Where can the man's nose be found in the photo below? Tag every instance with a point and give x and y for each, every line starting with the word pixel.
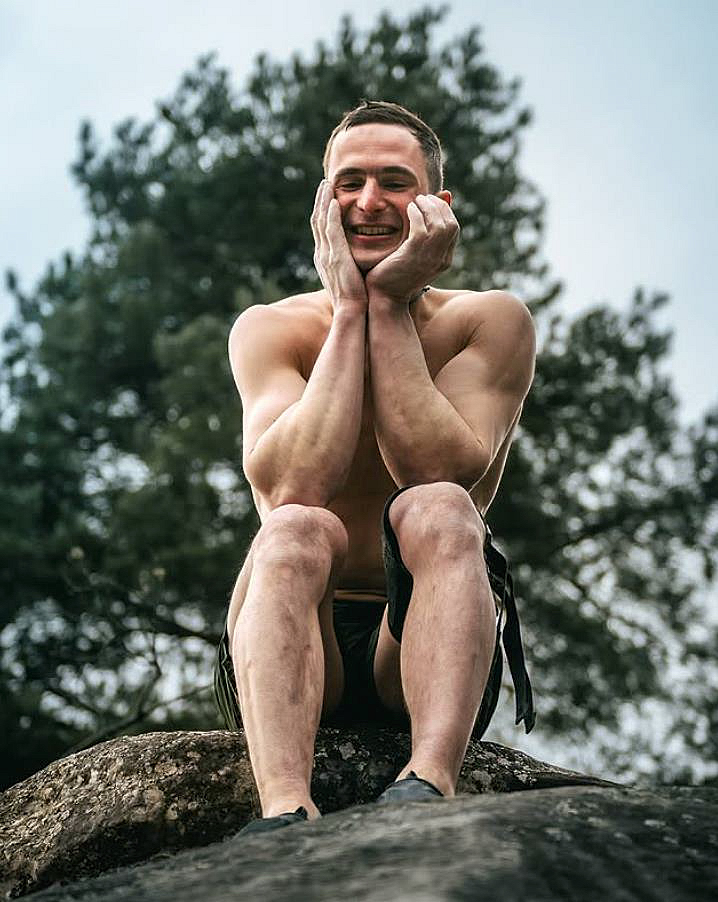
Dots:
pixel 371 197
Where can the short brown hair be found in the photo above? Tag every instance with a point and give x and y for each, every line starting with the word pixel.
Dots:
pixel 370 111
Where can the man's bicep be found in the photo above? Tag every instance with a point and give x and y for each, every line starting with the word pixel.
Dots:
pixel 487 382
pixel 265 372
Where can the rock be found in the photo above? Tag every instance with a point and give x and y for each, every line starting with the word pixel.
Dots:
pixel 585 843
pixel 128 799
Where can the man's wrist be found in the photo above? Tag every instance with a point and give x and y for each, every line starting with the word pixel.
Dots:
pixel 382 303
pixel 349 313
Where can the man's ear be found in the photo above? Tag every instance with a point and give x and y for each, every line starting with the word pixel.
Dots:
pixel 445 195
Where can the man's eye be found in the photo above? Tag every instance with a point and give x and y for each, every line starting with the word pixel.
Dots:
pixel 349 186
pixel 395 186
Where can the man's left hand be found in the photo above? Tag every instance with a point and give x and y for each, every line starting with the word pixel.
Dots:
pixel 427 251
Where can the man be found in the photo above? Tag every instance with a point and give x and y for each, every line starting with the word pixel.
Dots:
pixel 377 381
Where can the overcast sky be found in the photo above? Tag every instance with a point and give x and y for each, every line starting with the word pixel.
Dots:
pixel 624 142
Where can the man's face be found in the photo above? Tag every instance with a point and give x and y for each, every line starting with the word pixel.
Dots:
pixel 376 170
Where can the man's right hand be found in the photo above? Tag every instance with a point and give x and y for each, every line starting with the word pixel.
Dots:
pixel 332 257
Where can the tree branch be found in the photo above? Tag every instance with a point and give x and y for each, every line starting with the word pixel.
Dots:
pixel 140 713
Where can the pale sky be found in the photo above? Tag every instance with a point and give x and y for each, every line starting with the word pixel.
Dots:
pixel 623 146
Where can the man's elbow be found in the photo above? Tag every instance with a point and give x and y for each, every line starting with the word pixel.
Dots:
pixel 306 492
pixel 289 484
pixel 465 470
pixel 476 467
pixel 279 490
pixel 305 496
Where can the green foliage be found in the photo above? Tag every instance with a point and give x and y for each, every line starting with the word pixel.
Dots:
pixel 125 511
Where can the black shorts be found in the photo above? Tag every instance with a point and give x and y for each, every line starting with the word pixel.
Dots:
pixel 356 624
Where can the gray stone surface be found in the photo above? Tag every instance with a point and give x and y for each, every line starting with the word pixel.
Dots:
pixel 128 799
pixel 574 843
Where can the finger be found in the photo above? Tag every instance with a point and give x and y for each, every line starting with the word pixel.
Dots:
pixel 417 223
pixel 442 208
pixel 450 220
pixel 442 215
pixel 443 219
pixel 314 218
pixel 431 214
pixel 326 198
pixel 318 200
pixel 453 230
pixel 318 195
pixel 335 229
pixel 322 243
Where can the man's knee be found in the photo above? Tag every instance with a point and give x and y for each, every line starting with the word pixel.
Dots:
pixel 437 518
pixel 298 535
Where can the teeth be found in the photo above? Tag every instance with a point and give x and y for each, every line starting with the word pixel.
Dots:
pixel 373 230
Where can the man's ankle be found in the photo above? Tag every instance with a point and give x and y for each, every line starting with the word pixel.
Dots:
pixel 282 797
pixel 433 773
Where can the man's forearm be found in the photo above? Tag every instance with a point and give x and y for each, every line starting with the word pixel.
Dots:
pixel 305 455
pixel 421 436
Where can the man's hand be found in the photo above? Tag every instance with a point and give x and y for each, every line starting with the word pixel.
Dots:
pixel 427 251
pixel 333 260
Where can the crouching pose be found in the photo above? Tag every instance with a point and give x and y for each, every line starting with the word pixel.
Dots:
pixel 378 413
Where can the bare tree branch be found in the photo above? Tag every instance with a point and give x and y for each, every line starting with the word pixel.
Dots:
pixel 139 714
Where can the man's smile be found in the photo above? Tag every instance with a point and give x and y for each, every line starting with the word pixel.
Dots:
pixel 372 230
pixel 369 234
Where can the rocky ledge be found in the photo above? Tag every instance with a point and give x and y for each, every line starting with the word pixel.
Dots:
pixel 127 800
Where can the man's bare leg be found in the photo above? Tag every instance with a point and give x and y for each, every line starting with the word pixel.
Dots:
pixel 442 665
pixel 286 660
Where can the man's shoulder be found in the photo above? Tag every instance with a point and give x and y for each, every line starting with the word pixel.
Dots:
pixel 496 301
pixel 492 310
pixel 496 340
pixel 295 314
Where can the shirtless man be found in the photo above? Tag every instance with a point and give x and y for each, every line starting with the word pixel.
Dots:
pixel 375 382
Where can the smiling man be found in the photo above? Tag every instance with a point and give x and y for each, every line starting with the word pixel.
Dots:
pixel 377 416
